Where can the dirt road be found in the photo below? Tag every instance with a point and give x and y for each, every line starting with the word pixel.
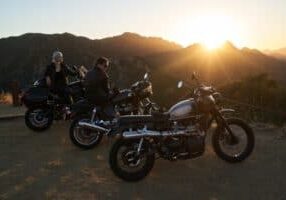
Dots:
pixel 47 166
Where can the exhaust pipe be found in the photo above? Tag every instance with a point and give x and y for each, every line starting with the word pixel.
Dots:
pixel 149 133
pixel 92 127
pixel 140 133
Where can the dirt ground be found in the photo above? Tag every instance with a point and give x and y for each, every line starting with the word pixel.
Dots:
pixel 47 166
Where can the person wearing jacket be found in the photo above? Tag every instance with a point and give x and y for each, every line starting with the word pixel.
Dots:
pixel 96 82
pixel 56 77
pixel 97 87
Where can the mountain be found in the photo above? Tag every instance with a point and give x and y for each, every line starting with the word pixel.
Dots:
pixel 227 63
pixel 278 53
pixel 221 67
pixel 24 59
pixel 131 44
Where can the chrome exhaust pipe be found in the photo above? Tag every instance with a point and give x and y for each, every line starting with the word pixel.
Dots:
pixel 92 127
pixel 149 133
pixel 139 134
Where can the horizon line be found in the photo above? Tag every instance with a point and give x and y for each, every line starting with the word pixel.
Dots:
pixel 135 33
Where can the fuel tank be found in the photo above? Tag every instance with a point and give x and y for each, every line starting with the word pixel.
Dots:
pixel 182 109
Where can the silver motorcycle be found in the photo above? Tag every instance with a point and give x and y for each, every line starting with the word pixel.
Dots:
pixel 178 134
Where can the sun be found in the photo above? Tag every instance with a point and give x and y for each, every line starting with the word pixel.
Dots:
pixel 213 31
pixel 210 30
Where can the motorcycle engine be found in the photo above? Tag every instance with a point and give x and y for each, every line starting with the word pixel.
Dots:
pixel 184 147
pixel 195 144
pixel 173 144
pixel 124 108
pixel 192 144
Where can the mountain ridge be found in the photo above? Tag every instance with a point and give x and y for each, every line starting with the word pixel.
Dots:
pixel 24 58
pixel 277 53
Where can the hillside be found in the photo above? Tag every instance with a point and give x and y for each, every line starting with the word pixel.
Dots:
pixel 227 63
pixel 24 58
pixel 220 67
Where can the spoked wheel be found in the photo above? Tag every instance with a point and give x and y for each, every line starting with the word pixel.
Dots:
pixel 236 148
pixel 127 163
pixel 38 119
pixel 82 137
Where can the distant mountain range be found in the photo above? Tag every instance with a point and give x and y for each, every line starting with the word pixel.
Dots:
pixel 24 58
pixel 278 53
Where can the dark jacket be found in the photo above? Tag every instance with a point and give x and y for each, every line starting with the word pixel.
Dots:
pixel 97 86
pixel 59 80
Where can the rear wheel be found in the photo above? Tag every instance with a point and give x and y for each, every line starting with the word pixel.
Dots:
pixel 38 119
pixel 127 164
pixel 237 149
pixel 82 137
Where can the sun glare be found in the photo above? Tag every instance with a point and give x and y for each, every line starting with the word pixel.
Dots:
pixel 210 30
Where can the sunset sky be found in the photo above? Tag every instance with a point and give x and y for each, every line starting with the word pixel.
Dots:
pixel 257 24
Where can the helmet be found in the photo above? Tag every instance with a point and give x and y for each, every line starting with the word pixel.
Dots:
pixel 57 56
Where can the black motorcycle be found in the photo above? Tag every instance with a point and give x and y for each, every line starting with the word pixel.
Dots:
pixel 43 107
pixel 136 100
pixel 178 134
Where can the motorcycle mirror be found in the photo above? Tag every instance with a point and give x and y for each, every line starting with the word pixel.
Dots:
pixel 180 84
pixel 146 76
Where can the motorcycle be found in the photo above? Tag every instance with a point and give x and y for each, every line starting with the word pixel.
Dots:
pixel 178 134
pixel 44 107
pixel 86 132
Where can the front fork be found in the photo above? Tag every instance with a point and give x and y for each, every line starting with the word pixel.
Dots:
pixel 223 123
pixel 93 115
pixel 139 146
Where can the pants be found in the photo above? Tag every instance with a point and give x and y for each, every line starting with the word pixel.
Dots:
pixel 64 94
pixel 105 110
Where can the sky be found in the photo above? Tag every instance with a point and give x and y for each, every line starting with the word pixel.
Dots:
pixel 257 24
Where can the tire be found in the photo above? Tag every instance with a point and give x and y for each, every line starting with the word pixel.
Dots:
pixel 38 123
pixel 76 136
pixel 121 173
pixel 216 138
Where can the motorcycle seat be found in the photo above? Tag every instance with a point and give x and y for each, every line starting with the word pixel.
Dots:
pixel 161 115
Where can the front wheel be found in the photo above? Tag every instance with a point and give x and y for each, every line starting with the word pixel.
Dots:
pixel 82 137
pixel 127 163
pixel 39 119
pixel 237 149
